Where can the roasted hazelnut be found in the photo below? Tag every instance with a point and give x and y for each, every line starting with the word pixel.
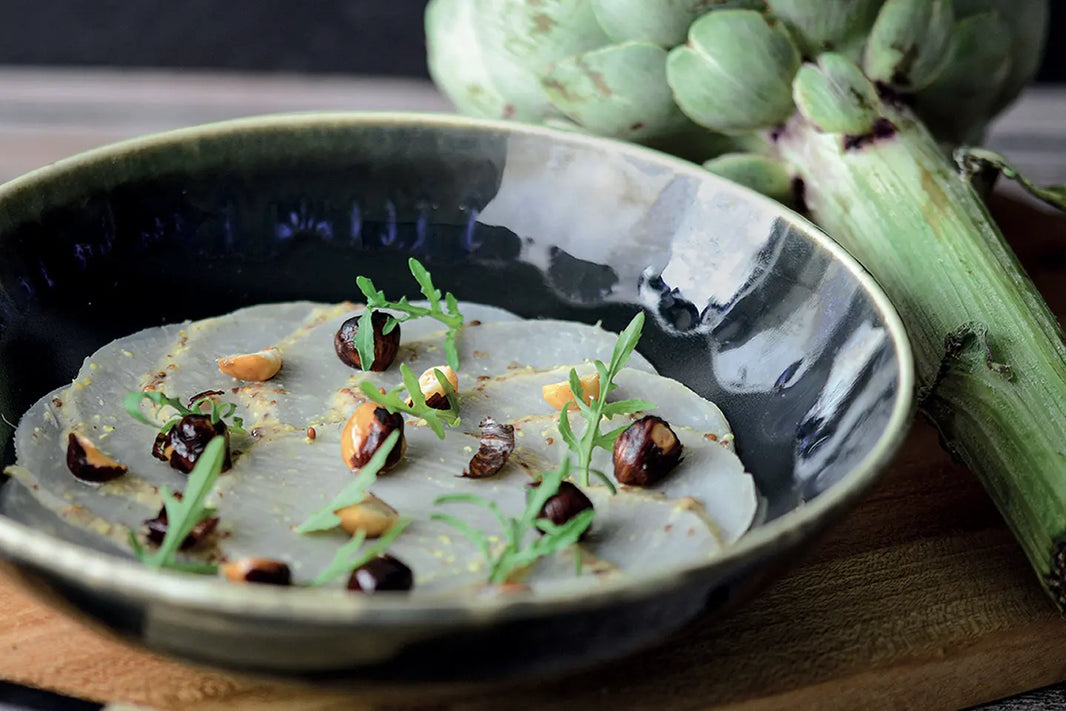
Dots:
pixel 559 395
pixel 186 441
pixel 646 451
pixel 364 432
pixel 157 528
pixel 381 573
pixel 566 503
pixel 257 570
pixel 255 367
pixel 386 345
pixel 497 443
pixel 88 463
pixel 431 388
pixel 372 516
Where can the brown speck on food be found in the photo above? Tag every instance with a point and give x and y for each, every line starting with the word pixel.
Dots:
pixel 508 111
pixel 256 433
pixel 483 378
pixel 475 322
pixel 691 532
pixel 514 365
pixel 311 434
pixel 549 440
pixel 172 366
pixel 711 436
pixel 668 527
pixel 57 402
pixel 235 390
pixel 480 354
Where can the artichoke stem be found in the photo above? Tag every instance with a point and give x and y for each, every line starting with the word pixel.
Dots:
pixel 990 355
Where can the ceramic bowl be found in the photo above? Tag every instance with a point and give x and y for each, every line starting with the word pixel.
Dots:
pixel 747 303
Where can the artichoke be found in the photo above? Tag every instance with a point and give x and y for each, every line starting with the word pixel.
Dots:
pixel 860 102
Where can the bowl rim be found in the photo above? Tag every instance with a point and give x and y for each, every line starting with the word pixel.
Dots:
pixel 128 579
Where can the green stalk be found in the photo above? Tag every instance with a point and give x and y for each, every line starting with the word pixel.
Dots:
pixel 990 355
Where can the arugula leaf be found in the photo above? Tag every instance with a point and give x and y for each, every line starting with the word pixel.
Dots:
pixel 352 554
pixel 219 411
pixel 598 408
pixel 392 401
pixel 354 492
pixel 518 551
pixel 183 515
pixel 375 299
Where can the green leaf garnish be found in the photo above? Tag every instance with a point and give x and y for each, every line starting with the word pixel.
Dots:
pixel 184 515
pixel 352 554
pixel 519 551
pixel 393 402
pixel 375 299
pixel 354 492
pixel 218 411
pixel 598 408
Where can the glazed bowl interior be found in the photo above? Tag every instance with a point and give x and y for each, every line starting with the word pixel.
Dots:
pixel 746 303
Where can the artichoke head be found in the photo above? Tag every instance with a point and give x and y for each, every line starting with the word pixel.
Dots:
pixel 659 71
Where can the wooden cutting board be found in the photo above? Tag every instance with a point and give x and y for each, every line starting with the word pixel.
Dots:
pixel 918 599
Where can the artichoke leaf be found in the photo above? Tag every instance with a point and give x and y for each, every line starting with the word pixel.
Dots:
pixel 972 162
pixel 771 177
pixel 518 42
pixel 839 26
pixel 979 63
pixel 835 96
pixel 908 44
pixel 456 62
pixel 661 22
pixel 619 90
pixel 735 74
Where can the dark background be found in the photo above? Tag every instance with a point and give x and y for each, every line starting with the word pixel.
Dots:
pixel 382 37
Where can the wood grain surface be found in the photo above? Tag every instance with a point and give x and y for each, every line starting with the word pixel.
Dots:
pixel 918 599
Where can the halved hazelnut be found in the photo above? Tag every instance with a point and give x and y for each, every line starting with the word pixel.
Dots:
pixel 372 516
pixel 558 395
pixel 431 387
pixel 364 432
pixel 386 345
pixel 497 443
pixel 88 463
pixel 646 451
pixel 188 439
pixel 382 573
pixel 258 367
pixel 566 503
pixel 257 570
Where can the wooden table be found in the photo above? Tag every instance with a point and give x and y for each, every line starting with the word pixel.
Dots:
pixel 918 599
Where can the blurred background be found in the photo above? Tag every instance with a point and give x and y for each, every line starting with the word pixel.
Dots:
pixel 378 37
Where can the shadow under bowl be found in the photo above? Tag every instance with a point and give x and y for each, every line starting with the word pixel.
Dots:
pixel 747 304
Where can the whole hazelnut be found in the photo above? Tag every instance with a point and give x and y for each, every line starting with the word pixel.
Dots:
pixel 186 441
pixel 386 345
pixel 381 573
pixel 257 570
pixel 364 432
pixel 567 502
pixel 646 452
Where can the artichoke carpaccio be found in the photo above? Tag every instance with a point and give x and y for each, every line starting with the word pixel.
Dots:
pixel 281 475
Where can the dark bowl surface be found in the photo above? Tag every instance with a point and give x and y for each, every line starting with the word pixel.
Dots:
pixel 747 304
